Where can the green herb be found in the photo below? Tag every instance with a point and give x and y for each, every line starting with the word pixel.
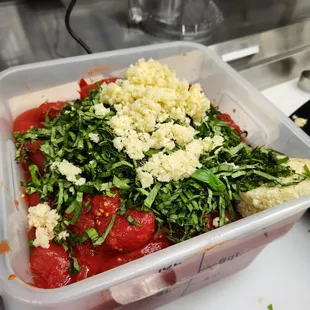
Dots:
pixel 77 206
pixel 270 307
pixel 306 171
pixel 132 221
pixel 152 195
pixel 181 207
pixel 100 240
pixel 206 176
pixel 75 267
pixel 122 184
pixel 34 172
pixel 92 234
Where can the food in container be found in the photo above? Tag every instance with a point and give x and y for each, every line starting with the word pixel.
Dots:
pixel 191 264
pixel 132 167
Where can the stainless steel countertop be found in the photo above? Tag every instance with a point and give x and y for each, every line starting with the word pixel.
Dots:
pixel 34 30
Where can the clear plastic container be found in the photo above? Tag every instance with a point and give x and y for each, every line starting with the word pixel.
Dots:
pixel 171 273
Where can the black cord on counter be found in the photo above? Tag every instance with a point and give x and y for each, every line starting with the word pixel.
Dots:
pixel 71 32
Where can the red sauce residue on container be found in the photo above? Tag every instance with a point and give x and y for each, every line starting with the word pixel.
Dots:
pixel 234 110
pixel 12 276
pixel 4 247
pixel 208 248
pixel 100 69
pixel 16 203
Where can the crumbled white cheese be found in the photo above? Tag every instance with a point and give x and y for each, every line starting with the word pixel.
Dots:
pixel 100 109
pixel 198 146
pixel 80 181
pixel 43 238
pixel 134 144
pixel 177 166
pixel 144 101
pixel 68 170
pixel 94 137
pixel 44 219
pixel 169 134
pixel 42 215
pixel 195 147
pixel 151 73
pixel 211 143
pixel 63 235
pixel 299 121
pixel 216 222
pixel 148 96
pixel 145 178
pixel 71 190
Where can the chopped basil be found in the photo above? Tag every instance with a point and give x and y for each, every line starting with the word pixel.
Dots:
pixel 270 307
pixel 92 234
pixel 77 206
pixel 152 195
pixel 132 221
pixel 74 266
pixel 119 183
pixel 34 171
pixel 100 240
pixel 306 171
pixel 181 207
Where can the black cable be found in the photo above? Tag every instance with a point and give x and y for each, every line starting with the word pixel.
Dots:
pixel 71 32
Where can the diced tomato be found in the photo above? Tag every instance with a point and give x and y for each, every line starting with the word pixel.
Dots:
pixel 86 203
pixel 27 175
pixel 84 273
pixel 33 199
pixel 209 219
pixel 226 118
pixel 216 214
pixel 127 237
pixel 53 109
pixel 26 120
pixel 31 234
pixel 50 267
pixel 83 222
pixel 82 250
pixel 31 154
pixel 102 223
pixel 157 243
pixel 103 205
pixel 84 87
pixel 36 156
pixel 104 249
pixel 82 83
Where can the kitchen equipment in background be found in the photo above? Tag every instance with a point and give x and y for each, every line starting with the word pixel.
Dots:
pixel 176 19
pixel 304 81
